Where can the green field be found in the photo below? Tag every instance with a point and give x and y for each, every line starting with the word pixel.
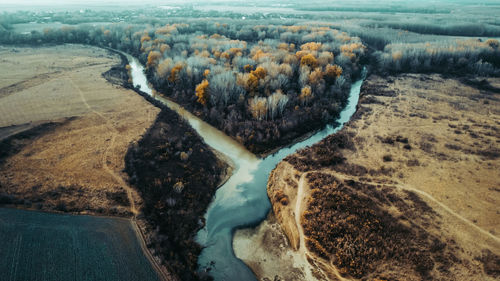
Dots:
pixel 44 246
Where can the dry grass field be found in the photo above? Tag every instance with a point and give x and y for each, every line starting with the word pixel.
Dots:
pixel 75 164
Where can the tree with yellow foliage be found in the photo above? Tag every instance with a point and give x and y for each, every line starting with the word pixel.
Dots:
pixel 153 57
pixel 259 72
pixel 311 46
pixel 315 76
pixel 253 78
pixel 174 72
pixel 201 92
pixel 309 60
pixel 332 72
pixel 305 94
pixel 258 107
pixel 248 68
pixel 145 37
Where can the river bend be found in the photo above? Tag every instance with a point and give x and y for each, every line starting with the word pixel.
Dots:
pixel 242 200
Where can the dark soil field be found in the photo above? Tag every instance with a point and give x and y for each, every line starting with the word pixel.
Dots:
pixel 44 246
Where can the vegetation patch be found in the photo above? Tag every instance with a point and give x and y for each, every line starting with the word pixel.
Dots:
pixel 348 223
pixel 177 175
pixel 14 144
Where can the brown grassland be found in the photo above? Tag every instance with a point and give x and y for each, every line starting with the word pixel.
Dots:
pixel 408 189
pixel 73 163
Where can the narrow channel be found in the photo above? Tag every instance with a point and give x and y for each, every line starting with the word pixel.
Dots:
pixel 242 200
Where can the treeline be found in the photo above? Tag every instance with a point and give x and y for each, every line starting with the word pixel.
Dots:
pixel 472 56
pixel 151 15
pixel 455 29
pixel 380 9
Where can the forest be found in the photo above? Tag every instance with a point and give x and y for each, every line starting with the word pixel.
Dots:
pixel 264 85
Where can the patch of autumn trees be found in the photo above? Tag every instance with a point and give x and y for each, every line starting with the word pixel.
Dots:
pixel 201 92
pixel 286 83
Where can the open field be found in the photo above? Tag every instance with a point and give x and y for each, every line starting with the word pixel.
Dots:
pixel 416 167
pixel 76 165
pixel 44 246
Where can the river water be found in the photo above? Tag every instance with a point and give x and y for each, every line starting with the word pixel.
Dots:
pixel 242 200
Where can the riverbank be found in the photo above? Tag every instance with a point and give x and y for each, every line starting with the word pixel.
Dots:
pixel 177 176
pixel 410 135
pixel 264 136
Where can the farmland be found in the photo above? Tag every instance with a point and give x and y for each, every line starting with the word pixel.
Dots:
pixel 44 246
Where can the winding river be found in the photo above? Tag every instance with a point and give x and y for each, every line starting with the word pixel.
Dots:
pixel 242 200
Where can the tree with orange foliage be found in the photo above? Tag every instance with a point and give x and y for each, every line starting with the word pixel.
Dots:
pixel 164 47
pixel 309 60
pixel 201 92
pixel 397 55
pixel 235 51
pixel 225 55
pixel 252 82
pixel 333 71
pixel 253 78
pixel 259 72
pixel 153 58
pixel 259 54
pixel 305 94
pixel 145 37
pixel 315 76
pixel 174 72
pixel 311 46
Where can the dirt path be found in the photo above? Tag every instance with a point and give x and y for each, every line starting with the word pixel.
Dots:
pixel 133 209
pixel 114 174
pixel 450 211
pixel 432 199
pixel 303 192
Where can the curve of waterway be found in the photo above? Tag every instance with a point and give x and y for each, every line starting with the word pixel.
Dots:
pixel 242 200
